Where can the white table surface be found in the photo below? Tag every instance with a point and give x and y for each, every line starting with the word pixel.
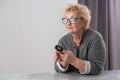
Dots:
pixel 105 75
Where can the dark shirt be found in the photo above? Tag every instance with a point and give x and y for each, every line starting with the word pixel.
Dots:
pixel 92 48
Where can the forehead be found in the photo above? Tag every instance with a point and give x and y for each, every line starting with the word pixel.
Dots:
pixel 70 14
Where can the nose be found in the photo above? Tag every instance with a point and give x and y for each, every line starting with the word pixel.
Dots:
pixel 68 22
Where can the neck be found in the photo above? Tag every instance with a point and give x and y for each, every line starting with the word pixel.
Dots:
pixel 77 38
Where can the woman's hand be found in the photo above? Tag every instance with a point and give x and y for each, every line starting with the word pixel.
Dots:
pixel 56 55
pixel 67 57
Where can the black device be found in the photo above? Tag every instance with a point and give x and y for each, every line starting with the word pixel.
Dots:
pixel 59 48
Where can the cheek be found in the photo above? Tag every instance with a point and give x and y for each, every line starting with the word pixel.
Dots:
pixel 78 26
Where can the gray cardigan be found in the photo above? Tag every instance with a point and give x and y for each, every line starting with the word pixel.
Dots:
pixel 92 48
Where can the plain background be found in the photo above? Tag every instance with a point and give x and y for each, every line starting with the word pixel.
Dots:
pixel 29 30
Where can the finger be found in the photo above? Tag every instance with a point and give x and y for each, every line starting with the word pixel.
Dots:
pixel 65 52
pixel 55 56
pixel 59 60
pixel 58 52
pixel 61 56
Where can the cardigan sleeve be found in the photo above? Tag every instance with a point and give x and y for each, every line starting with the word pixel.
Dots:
pixel 96 54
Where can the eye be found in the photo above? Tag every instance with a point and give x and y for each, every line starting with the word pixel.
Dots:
pixel 72 20
pixel 64 20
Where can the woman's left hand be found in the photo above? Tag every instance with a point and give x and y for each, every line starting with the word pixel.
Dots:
pixel 68 57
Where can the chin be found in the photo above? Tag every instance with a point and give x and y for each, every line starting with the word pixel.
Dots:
pixel 71 32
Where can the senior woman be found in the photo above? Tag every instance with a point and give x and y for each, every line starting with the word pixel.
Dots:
pixel 83 48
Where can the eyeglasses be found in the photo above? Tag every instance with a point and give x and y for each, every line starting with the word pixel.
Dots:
pixel 71 20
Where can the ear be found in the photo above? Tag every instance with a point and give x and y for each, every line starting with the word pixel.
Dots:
pixel 84 24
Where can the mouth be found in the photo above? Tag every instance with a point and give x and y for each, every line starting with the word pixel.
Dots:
pixel 69 27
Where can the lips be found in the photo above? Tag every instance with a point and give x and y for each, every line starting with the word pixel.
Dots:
pixel 69 27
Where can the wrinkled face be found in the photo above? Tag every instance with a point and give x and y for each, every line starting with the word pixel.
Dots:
pixel 73 23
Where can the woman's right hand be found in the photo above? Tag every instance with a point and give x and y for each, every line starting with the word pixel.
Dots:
pixel 56 55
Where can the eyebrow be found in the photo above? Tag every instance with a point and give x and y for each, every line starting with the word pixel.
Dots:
pixel 70 17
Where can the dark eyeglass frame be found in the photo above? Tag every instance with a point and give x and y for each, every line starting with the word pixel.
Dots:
pixel 71 20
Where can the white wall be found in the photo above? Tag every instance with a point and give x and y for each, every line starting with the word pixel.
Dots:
pixel 29 30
